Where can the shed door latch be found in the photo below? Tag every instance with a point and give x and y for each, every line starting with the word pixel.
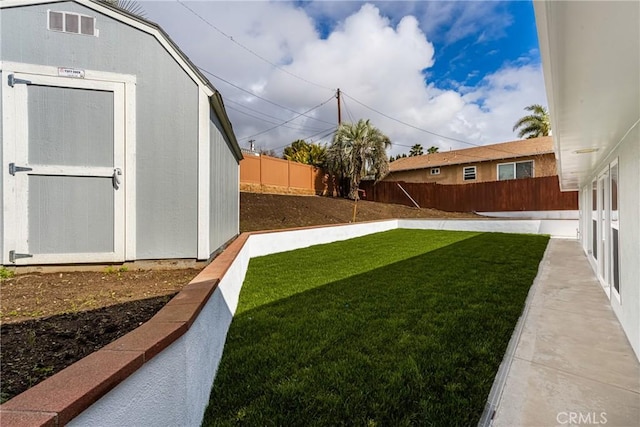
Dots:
pixel 13 169
pixel 12 80
pixel 13 256
pixel 116 181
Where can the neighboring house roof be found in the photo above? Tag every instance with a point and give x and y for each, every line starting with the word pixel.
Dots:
pixel 248 152
pixel 215 99
pixel 505 150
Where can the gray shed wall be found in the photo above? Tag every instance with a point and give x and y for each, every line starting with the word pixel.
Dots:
pixel 2 76
pixel 224 191
pixel 167 114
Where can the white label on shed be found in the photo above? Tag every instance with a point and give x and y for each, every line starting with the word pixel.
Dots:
pixel 70 72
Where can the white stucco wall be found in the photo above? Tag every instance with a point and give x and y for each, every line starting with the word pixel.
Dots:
pixel 173 388
pixel 154 395
pixel 282 241
pixel 533 214
pixel 627 309
pixel 556 228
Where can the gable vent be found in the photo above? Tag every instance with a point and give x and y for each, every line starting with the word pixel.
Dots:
pixel 72 23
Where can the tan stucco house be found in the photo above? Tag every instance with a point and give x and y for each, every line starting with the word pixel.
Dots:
pixel 526 158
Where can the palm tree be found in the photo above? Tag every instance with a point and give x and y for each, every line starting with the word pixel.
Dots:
pixel 416 150
pixel 534 125
pixel 433 149
pixel 358 150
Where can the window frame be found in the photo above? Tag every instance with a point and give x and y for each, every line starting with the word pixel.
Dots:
pixel 464 173
pixel 614 229
pixel 515 169
pixel 80 17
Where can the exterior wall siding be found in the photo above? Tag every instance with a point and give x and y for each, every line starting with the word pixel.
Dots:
pixel 544 165
pixel 2 77
pixel 628 308
pixel 166 116
pixel 225 194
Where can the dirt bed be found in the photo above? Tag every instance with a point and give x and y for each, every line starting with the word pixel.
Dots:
pixel 269 212
pixel 51 320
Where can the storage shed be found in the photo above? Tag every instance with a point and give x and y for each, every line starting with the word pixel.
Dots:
pixel 114 146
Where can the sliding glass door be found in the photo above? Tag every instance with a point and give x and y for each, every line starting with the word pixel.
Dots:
pixel 604 233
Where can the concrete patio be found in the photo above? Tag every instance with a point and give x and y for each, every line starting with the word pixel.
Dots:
pixel 569 362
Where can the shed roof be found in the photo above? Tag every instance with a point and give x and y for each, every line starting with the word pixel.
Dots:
pixel 502 151
pixel 215 98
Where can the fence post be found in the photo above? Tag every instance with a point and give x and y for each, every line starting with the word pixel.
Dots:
pixel 261 171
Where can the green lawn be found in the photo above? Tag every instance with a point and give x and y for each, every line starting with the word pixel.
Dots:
pixel 405 327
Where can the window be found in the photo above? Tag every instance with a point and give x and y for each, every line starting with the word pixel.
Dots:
pixel 87 25
pixel 73 23
pixel 469 173
pixel 615 227
pixel 515 170
pixel 55 21
pixel 435 171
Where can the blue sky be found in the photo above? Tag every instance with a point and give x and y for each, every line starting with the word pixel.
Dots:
pixel 463 57
pixel 430 72
pixel 467 60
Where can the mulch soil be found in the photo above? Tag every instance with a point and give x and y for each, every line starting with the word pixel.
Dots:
pixel 33 350
pixel 50 320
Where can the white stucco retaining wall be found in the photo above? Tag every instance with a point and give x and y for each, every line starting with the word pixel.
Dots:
pixel 173 388
pixel 558 228
pixel 575 214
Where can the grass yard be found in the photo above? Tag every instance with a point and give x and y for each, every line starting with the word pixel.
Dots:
pixel 405 327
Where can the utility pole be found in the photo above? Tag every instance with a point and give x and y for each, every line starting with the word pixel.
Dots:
pixel 339 110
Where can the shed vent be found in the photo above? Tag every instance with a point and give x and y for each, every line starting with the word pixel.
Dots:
pixel 72 23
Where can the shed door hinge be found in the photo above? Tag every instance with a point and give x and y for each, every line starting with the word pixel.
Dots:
pixel 13 81
pixel 13 169
pixel 13 256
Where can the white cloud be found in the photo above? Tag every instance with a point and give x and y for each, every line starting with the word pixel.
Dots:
pixel 376 59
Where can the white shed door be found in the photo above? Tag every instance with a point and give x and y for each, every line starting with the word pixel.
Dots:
pixel 68 170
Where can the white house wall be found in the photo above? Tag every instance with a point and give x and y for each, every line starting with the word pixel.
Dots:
pixel 166 115
pixel 627 309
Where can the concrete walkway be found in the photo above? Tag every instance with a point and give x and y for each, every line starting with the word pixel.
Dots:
pixel 571 364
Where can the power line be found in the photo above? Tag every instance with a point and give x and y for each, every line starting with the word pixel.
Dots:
pixel 260 97
pixel 408 124
pixel 325 133
pixel 249 50
pixel 314 84
pixel 287 121
pixel 428 131
pixel 264 114
pixel 344 101
pixel 228 107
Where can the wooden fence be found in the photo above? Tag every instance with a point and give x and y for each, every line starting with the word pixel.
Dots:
pixel 265 174
pixel 532 194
